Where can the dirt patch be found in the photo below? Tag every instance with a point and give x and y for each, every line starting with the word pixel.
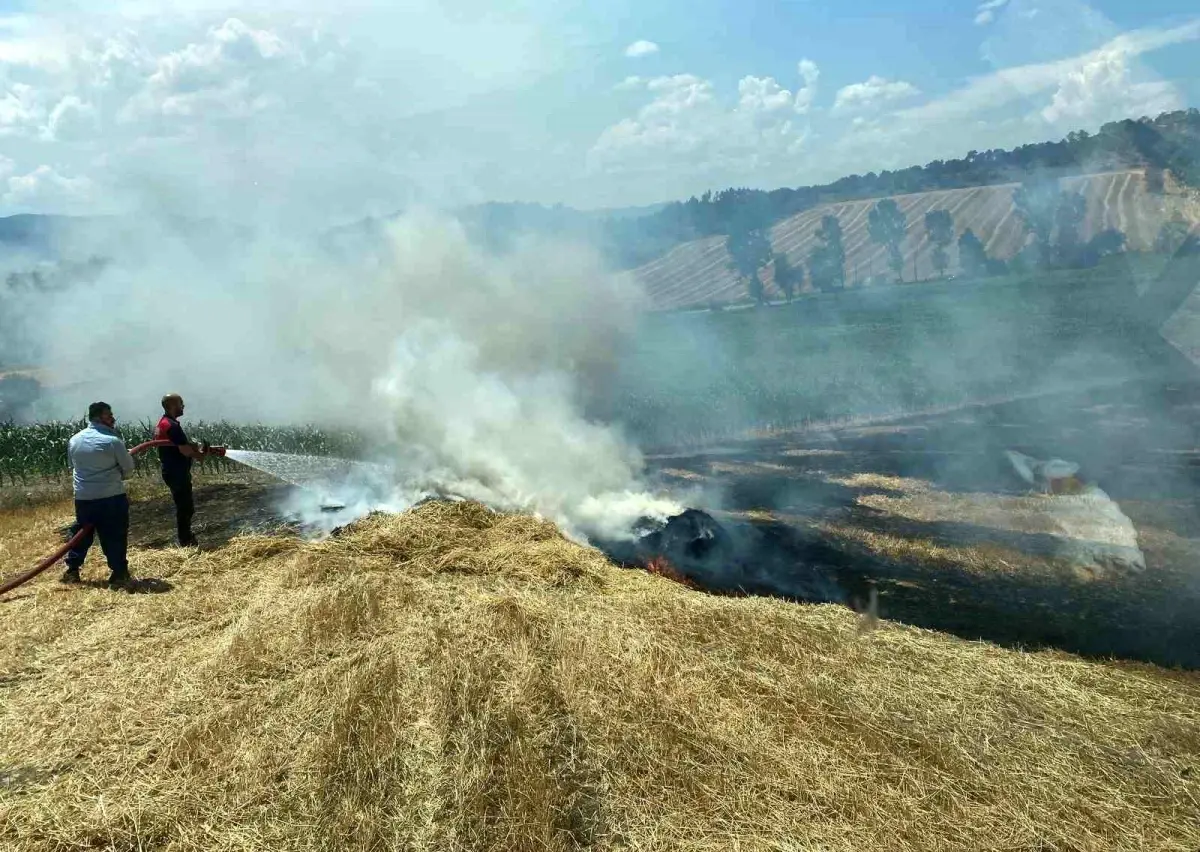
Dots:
pixel 224 509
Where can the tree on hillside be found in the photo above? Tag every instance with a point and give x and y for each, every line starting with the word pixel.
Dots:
pixel 830 233
pixel 827 262
pixel 1068 219
pixel 888 225
pixel 1108 242
pixel 749 251
pixel 1155 183
pixel 1037 203
pixel 972 256
pixel 787 277
pixel 1172 235
pixel 939 224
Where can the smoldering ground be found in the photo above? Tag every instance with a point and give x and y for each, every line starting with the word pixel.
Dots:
pixel 908 484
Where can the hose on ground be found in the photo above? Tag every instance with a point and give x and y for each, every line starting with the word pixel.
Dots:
pixel 9 585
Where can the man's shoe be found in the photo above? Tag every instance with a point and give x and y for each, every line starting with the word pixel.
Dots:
pixel 121 581
pixel 189 542
pixel 71 576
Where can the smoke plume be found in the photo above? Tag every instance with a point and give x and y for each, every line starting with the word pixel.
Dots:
pixel 467 372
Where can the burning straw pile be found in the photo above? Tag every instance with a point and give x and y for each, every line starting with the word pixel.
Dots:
pixel 454 679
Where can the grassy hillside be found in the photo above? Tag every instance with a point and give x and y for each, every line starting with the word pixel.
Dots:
pixel 698 274
pixel 454 679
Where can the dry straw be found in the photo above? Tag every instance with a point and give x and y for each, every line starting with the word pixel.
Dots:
pixel 453 679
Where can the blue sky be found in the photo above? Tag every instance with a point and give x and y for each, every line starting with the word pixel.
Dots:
pixel 314 110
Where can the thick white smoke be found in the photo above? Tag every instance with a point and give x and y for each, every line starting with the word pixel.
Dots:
pixel 467 371
pixel 483 388
pixel 511 439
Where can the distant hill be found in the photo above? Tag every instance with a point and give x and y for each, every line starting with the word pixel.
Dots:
pixel 1170 142
pixel 28 229
pixel 28 237
pixel 697 273
pixel 496 224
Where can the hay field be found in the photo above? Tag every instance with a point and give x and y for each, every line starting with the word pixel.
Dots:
pixel 455 679
pixel 697 273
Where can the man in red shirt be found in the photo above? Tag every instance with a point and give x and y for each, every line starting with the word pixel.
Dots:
pixel 176 461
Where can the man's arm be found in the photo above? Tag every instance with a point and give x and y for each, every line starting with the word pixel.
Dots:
pixel 181 442
pixel 124 459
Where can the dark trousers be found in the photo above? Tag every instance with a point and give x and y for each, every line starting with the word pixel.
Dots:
pixel 109 517
pixel 181 492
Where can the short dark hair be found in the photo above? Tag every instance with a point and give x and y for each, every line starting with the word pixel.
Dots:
pixel 96 409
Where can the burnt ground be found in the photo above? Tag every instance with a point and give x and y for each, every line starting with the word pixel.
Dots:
pixel 227 505
pixel 225 508
pixel 855 501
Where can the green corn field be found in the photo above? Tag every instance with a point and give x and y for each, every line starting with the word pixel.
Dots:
pixel 39 451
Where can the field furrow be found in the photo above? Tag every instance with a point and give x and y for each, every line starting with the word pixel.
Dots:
pixel 1109 219
pixel 1123 204
pixel 1094 212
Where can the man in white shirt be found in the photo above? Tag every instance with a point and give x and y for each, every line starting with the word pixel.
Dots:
pixel 100 464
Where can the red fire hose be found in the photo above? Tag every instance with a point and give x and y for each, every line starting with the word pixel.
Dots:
pixel 79 536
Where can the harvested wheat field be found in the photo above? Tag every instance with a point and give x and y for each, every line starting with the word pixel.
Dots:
pixel 698 272
pixel 455 679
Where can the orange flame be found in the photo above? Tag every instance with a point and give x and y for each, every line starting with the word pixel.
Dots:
pixel 660 566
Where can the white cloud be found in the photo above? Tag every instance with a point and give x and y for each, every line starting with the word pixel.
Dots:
pixel 1020 104
pixel 21 110
pixel 679 106
pixel 986 12
pixel 678 120
pixel 631 82
pixel 806 94
pixel 687 128
pixel 7 167
pixel 641 48
pixel 1025 82
pixel 71 118
pixel 24 45
pixel 1101 88
pixel 762 94
pixel 873 93
pixel 46 191
pixel 225 75
pixel 272 112
pixel 685 123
